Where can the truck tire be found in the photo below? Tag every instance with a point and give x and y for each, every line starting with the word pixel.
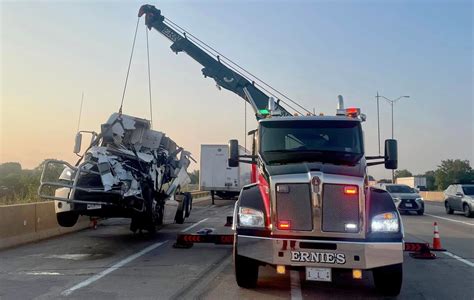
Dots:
pixel 467 211
pixel 181 212
pixel 189 204
pixel 246 271
pixel 421 211
pixel 67 218
pixel 448 208
pixel 388 280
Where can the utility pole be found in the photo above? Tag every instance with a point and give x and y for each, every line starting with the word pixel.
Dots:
pixel 245 124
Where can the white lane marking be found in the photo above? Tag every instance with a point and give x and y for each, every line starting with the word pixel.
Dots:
pixel 111 269
pixel 194 225
pixel 295 285
pixel 470 264
pixel 43 273
pixel 452 220
pixel 70 256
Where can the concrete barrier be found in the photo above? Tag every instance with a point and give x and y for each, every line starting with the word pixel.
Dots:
pixel 24 223
pixel 30 222
pixel 200 194
pixel 432 196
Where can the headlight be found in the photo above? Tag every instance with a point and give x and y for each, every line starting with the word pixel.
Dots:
pixel 250 217
pixel 386 222
pixel 419 199
pixel 397 201
pixel 66 174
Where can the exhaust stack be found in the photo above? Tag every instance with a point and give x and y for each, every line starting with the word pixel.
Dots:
pixel 340 106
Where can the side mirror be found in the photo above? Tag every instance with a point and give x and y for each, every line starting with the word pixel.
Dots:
pixel 391 154
pixel 233 153
pixel 77 143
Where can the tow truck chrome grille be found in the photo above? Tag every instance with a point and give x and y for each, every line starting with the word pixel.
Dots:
pixel 294 205
pixel 339 209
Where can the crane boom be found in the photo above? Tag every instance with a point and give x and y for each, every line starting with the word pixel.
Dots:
pixel 214 68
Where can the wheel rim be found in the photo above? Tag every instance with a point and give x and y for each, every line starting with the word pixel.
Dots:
pixel 448 209
pixel 466 210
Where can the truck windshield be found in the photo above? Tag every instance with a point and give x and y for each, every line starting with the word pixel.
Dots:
pixel 331 141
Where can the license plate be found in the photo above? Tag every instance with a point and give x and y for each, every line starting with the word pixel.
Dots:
pixel 318 274
pixel 408 205
pixel 94 206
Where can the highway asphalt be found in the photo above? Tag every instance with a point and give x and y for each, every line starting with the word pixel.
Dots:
pixel 112 263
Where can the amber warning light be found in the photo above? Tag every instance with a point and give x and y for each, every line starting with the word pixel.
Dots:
pixel 284 225
pixel 350 190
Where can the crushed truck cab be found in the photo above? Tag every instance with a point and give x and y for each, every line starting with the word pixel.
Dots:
pixel 128 170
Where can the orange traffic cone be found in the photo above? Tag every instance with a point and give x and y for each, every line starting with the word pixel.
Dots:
pixel 436 239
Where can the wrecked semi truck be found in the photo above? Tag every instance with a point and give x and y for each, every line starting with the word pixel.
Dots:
pixel 128 170
pixel 309 207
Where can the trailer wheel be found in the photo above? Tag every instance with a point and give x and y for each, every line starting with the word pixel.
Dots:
pixel 67 218
pixel 246 271
pixel 388 280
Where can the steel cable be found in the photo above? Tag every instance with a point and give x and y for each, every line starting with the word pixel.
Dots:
pixel 203 48
pixel 128 70
pixel 203 44
pixel 149 76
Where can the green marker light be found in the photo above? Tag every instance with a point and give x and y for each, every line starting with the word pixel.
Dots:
pixel 264 112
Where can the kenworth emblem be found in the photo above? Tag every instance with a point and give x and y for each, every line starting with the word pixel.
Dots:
pixel 315 182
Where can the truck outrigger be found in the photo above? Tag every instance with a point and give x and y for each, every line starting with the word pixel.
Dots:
pixel 309 206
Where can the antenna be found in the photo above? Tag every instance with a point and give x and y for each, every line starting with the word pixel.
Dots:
pixel 80 113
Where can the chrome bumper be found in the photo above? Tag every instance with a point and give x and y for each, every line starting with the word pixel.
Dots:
pixel 345 255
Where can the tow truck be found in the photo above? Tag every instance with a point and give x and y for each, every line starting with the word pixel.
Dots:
pixel 310 206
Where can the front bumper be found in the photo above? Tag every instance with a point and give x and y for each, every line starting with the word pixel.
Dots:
pixel 320 253
pixel 411 205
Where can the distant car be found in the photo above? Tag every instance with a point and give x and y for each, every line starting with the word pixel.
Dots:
pixel 460 197
pixel 406 198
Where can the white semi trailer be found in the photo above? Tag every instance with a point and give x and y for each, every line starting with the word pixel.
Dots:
pixel 217 177
pixel 416 182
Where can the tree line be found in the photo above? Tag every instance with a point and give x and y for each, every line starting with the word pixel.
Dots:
pixel 448 172
pixel 19 185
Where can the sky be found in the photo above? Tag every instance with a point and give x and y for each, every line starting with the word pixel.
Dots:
pixel 53 51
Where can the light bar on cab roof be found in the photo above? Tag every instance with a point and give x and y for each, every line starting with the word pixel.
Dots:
pixel 352 112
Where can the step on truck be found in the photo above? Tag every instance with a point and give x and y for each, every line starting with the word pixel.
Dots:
pixel 310 206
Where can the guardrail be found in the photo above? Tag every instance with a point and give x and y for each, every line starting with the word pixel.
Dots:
pixel 30 222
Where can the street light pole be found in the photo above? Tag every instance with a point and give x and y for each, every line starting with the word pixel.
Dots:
pixel 378 120
pixel 392 118
pixel 392 102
